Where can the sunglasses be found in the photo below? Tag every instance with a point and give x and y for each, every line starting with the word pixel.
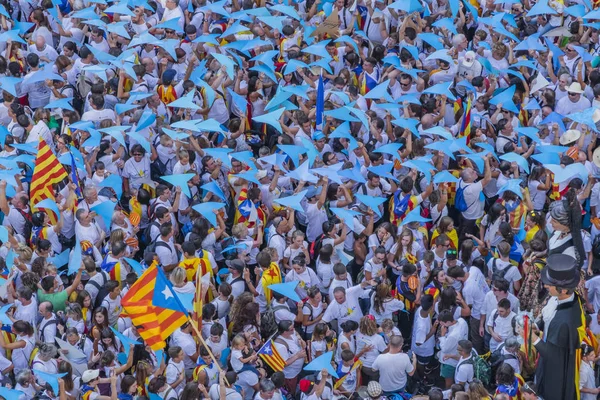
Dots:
pixel 137 154
pixel 451 252
pixel 573 94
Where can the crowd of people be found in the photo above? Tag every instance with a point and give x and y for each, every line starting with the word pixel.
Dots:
pixel 299 200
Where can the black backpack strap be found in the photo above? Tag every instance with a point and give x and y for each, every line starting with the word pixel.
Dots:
pixel 163 244
pixel 283 342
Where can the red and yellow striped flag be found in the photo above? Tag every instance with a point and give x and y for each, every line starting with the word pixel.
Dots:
pixel 155 324
pixel 270 277
pixel 47 172
pixel 465 128
pixel 271 356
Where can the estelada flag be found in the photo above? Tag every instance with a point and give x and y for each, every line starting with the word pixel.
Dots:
pixel 155 324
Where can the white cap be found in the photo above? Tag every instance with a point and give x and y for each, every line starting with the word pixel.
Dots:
pixel 469 59
pixel 90 375
pixel 261 174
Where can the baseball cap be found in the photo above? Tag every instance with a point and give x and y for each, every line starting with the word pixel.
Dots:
pixel 261 174
pixel 469 59
pixel 90 375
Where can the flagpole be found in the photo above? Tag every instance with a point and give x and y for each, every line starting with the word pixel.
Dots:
pixel 212 356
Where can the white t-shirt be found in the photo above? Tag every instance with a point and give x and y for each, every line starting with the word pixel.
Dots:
pixel 393 370
pixel 363 341
pixel 471 194
pixel 491 303
pixel 449 343
pixel 474 291
pixel 173 371
pixel 502 327
pixel 464 372
pixel 421 328
pixel 292 370
pixel 593 288
pixel 512 275
pixel 188 345
pixel 389 307
pixel 348 310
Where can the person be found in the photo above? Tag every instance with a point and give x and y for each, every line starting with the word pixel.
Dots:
pixel 451 332
pixel 394 367
pixel 559 323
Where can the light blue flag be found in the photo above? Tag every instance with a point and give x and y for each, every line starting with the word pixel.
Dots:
pixel 293 152
pixel 220 154
pixel 323 362
pixel 114 182
pixel 353 174
pixel 249 176
pixel 180 180
pixel 164 295
pixel 48 205
pixel 3 317
pixel 186 101
pixel 75 261
pixel 125 341
pixel 105 211
pixel 414 216
pixel 9 83
pixel 271 119
pixel 512 185
pixel 302 173
pixel 213 188
pixel 11 394
pixel 444 176
pixel 60 259
pixel 346 215
pixel 372 202
pixel 135 266
pixel 52 379
pixel 516 158
pixel 287 289
pixel 210 125
pixel 3 234
pixel 61 103
pixel 293 201
pixel 206 210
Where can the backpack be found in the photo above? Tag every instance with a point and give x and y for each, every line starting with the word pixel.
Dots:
pixel 268 323
pixel 78 101
pixel 315 247
pixel 147 235
pixel 102 291
pixel 230 254
pixel 482 369
pixel 596 247
pixel 27 228
pixel 497 273
pixel 497 358
pixel 459 199
pixel 83 86
pixel 47 324
pixel 158 169
pixel 151 248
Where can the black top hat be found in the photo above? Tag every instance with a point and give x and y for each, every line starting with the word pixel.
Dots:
pixel 561 270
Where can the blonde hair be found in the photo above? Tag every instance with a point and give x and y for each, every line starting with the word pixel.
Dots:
pixel 178 277
pixel 238 340
pixel 24 252
pixel 238 229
